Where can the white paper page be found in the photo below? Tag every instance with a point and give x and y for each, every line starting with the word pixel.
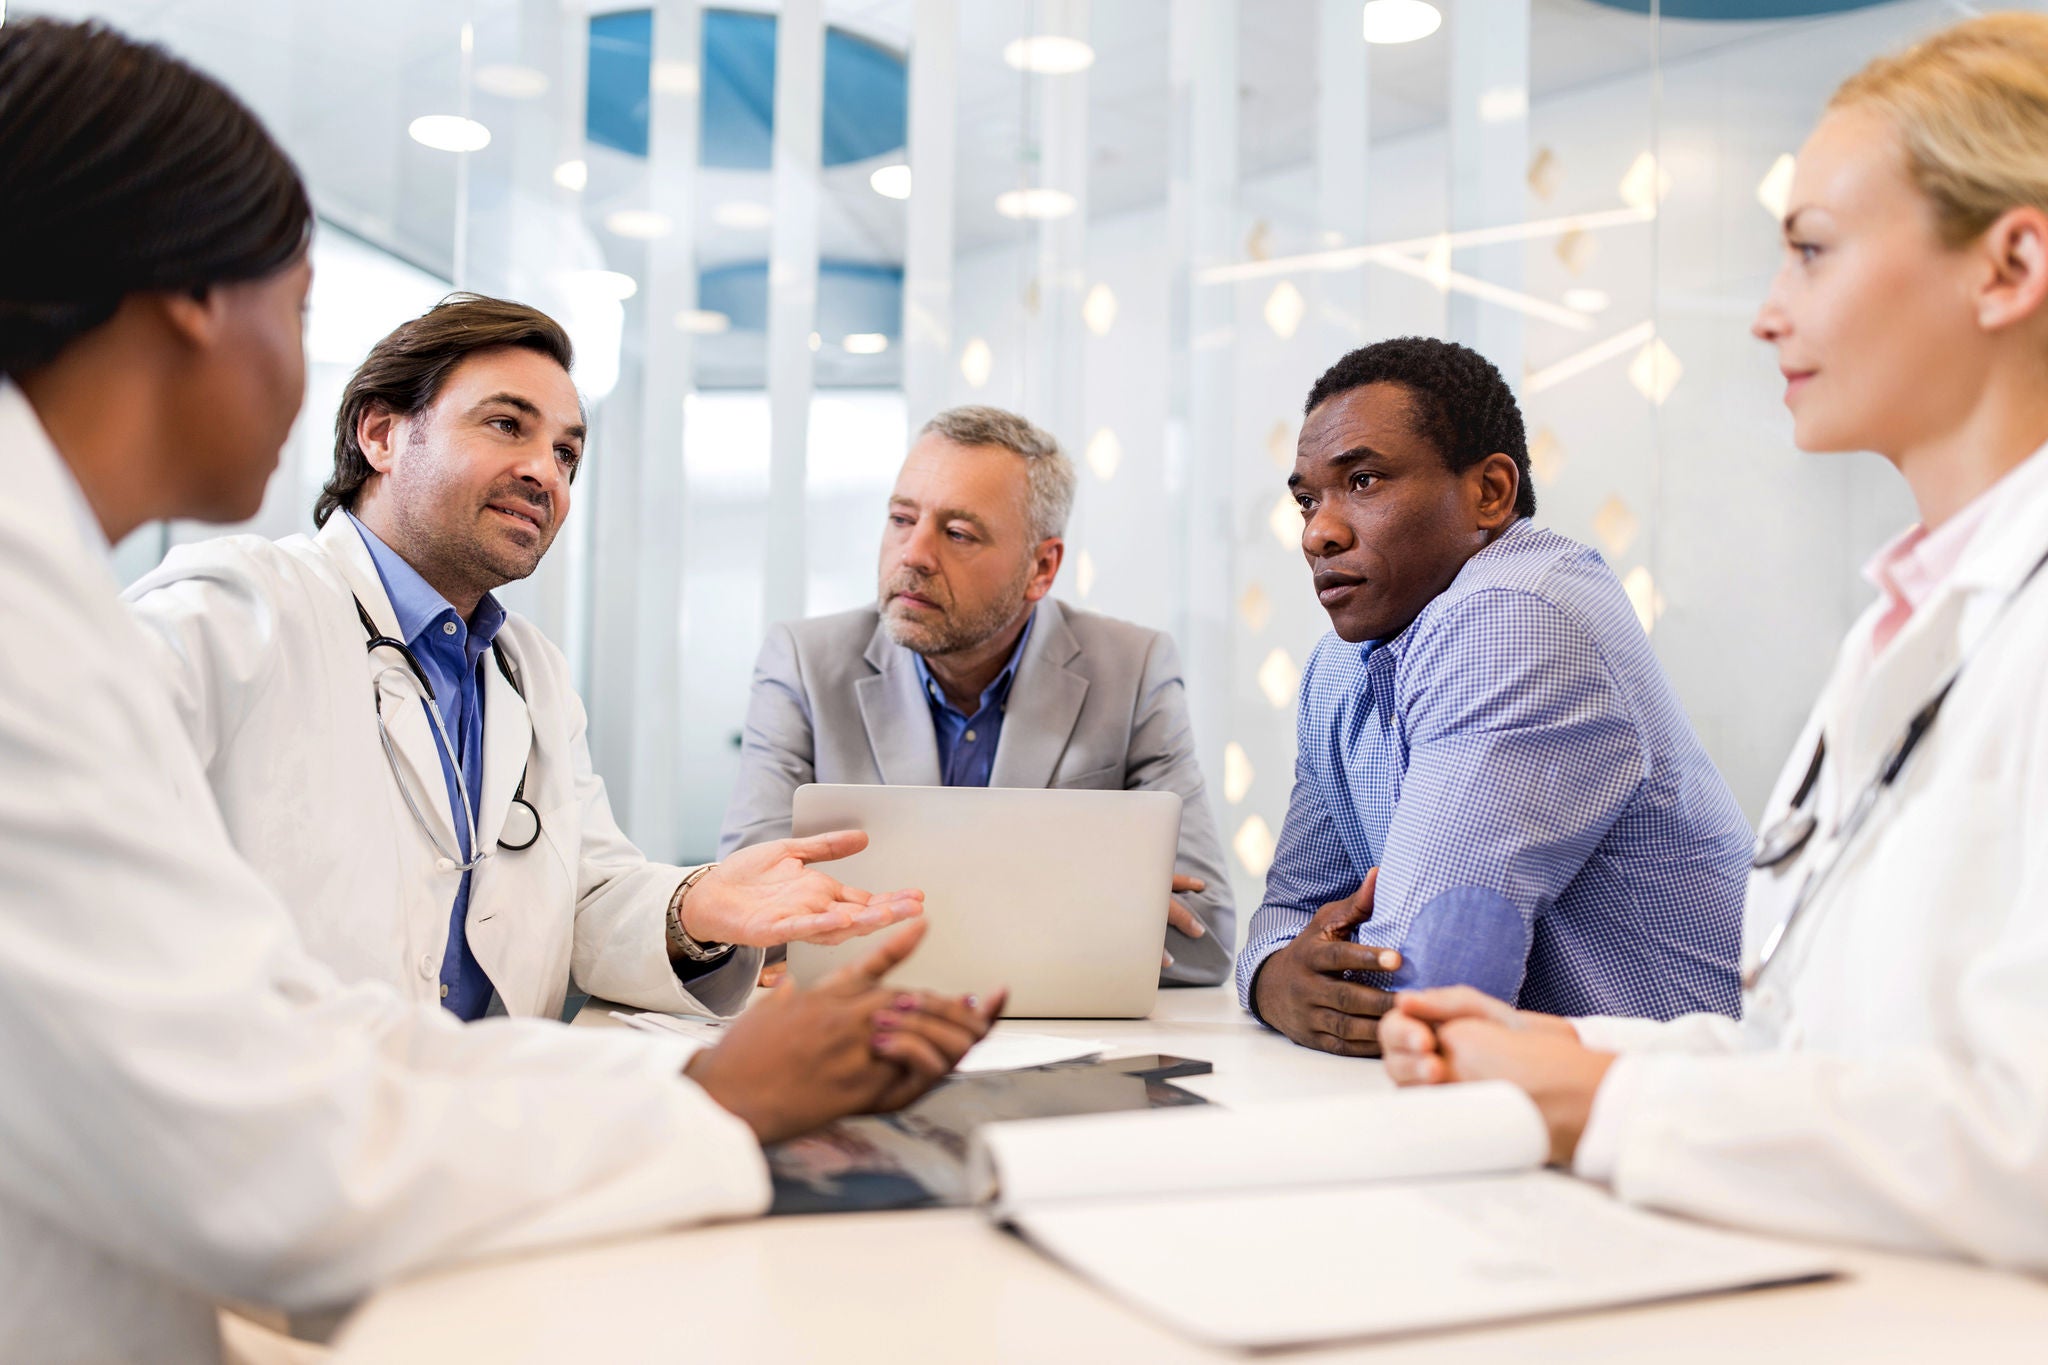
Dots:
pixel 1002 1050
pixel 1258 1269
pixel 1394 1135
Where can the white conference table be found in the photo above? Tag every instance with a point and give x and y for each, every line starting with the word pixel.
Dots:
pixel 946 1284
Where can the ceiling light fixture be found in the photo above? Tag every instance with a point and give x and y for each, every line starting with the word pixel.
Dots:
pixel 864 343
pixel 573 175
pixel 1587 300
pixel 642 225
pixel 1049 54
pixel 1401 21
pixel 703 322
pixel 742 215
pixel 1621 343
pixel 615 285
pixel 976 363
pixel 891 182
pixel 511 82
pixel 668 76
pixel 449 133
pixel 1348 257
pixel 1037 203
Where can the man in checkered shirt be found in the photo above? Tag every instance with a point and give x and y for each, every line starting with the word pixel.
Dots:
pixel 1495 784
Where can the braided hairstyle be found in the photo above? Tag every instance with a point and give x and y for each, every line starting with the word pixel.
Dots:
pixel 1461 404
pixel 125 171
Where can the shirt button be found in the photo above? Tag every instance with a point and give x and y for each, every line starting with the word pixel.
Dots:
pixel 447 627
pixel 444 990
pixel 427 965
pixel 970 736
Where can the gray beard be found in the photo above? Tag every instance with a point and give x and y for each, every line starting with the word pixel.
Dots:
pixel 955 632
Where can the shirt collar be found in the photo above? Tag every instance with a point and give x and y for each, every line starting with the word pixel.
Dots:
pixel 415 602
pixel 1519 526
pixel 1915 562
pixel 996 690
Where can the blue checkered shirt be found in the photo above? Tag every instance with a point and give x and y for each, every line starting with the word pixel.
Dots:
pixel 1546 825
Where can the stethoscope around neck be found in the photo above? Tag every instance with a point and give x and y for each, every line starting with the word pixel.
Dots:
pixel 1785 839
pixel 522 821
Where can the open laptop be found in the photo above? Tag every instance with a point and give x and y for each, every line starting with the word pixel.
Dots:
pixel 1059 895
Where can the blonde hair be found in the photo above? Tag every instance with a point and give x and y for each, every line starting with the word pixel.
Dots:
pixel 1971 106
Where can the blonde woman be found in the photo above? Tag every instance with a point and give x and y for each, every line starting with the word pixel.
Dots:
pixel 1888 1082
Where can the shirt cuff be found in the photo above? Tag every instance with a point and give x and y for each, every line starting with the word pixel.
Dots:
pixel 1248 974
pixel 1599 1153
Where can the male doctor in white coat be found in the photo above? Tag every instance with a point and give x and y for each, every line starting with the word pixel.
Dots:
pixel 358 694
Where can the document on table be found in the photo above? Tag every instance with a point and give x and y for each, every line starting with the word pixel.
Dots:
pixel 1002 1050
pixel 1226 1225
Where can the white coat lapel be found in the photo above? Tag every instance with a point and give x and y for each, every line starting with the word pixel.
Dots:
pixel 1044 704
pixel 398 690
pixel 898 716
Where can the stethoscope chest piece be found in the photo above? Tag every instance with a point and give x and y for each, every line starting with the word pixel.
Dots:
pixel 1784 839
pixel 522 825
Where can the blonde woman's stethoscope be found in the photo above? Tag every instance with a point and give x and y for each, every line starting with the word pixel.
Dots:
pixel 522 821
pixel 1781 844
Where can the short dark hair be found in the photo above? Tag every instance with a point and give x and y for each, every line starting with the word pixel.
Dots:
pixel 406 371
pixel 1462 405
pixel 124 171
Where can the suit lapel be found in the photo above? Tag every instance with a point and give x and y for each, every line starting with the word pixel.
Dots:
pixel 897 715
pixel 1044 706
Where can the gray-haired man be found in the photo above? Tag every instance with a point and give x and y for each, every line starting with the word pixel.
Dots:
pixel 965 673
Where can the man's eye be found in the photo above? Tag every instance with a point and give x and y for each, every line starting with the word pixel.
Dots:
pixel 960 536
pixel 505 424
pixel 1362 480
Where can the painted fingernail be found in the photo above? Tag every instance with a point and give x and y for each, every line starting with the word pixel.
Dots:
pixel 880 1042
pixel 974 1002
pixel 885 1021
pixel 904 1002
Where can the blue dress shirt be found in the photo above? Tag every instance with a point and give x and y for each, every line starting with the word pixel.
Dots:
pixel 967 744
pixel 1546 824
pixel 450 651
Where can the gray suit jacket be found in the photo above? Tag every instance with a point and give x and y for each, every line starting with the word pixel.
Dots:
pixel 1096 703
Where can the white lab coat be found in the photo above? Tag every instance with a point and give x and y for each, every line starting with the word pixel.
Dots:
pixel 193 1108
pixel 1888 1083
pixel 266 662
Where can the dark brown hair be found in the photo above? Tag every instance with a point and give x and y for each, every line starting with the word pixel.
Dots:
pixel 124 171
pixel 405 372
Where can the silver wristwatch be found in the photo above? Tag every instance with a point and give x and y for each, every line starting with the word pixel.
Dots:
pixel 680 944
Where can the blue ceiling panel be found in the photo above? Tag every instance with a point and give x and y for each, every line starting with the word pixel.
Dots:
pixel 866 90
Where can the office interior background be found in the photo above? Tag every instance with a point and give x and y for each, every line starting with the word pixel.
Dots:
pixel 783 236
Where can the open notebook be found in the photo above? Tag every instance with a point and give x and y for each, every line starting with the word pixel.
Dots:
pixel 1355 1217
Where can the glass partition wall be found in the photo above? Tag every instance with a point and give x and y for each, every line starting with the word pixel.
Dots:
pixel 783 236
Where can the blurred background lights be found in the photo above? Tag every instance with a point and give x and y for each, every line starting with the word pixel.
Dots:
pixel 449 133
pixel 1049 54
pixel 1400 21
pixel 891 182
